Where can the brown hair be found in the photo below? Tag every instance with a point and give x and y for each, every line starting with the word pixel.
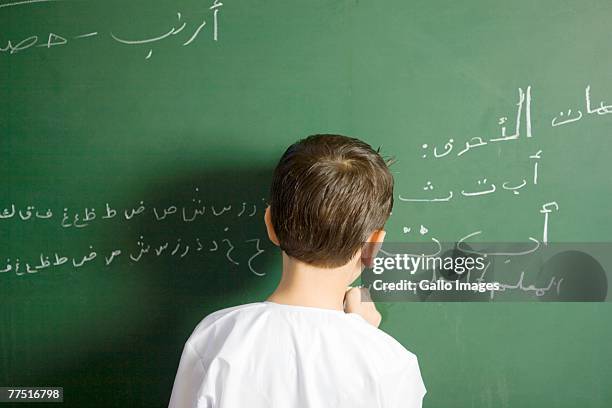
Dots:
pixel 329 193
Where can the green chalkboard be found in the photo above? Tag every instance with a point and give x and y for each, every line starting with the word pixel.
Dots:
pixel 137 141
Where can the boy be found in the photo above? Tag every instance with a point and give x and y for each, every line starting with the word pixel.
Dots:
pixel 312 343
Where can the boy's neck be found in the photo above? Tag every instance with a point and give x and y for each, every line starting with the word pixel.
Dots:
pixel 306 285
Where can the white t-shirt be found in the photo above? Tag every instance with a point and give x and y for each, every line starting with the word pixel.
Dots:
pixel 270 355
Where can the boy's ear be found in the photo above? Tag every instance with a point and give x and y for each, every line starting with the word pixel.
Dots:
pixel 371 247
pixel 270 228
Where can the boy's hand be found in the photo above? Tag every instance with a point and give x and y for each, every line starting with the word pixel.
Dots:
pixel 357 300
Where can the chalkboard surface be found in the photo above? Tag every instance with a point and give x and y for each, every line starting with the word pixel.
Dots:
pixel 137 141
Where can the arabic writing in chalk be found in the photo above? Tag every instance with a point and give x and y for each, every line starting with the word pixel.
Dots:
pixel 173 213
pixel 178 249
pixel 55 39
pixel 84 218
pixel 491 253
pixel 483 186
pixel 523 113
pixel 571 117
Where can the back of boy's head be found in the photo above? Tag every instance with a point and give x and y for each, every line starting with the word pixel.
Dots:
pixel 328 194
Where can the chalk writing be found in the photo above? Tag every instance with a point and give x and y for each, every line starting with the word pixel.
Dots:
pixel 55 39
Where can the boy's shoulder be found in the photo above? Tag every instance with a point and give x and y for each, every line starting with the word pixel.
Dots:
pixel 221 315
pixel 345 327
